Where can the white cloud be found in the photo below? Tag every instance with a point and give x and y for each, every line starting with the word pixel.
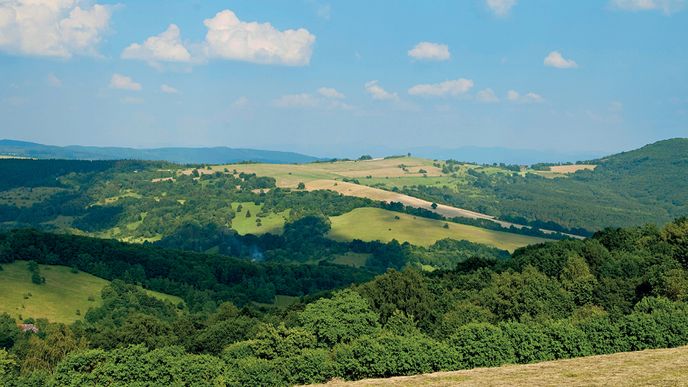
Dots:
pixel 616 107
pixel 164 47
pixel 666 6
pixel 303 100
pixel 53 80
pixel 330 92
pixel 514 96
pixel 167 89
pixel 240 103
pixel 122 82
pixel 377 92
pixel 230 38
pixel 55 28
pixel 451 88
pixel 487 96
pixel 132 100
pixel 500 7
pixel 555 59
pixel 430 51
pixel 326 98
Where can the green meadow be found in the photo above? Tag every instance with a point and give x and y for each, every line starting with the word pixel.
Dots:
pixel 370 224
pixel 58 299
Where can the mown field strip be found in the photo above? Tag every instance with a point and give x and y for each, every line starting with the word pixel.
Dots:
pixel 657 367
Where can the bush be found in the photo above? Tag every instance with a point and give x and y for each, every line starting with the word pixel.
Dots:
pixel 482 345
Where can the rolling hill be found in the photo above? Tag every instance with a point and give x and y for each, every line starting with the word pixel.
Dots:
pixel 214 155
pixel 65 296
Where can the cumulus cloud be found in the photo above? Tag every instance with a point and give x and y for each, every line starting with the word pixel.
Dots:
pixel 665 6
pixel 325 98
pixel 53 80
pixel 430 51
pixel 53 28
pixel 555 59
pixel 303 100
pixel 122 82
pixel 514 96
pixel 132 100
pixel 164 47
pixel 230 38
pixel 377 92
pixel 500 7
pixel 240 103
pixel 487 96
pixel 330 92
pixel 167 89
pixel 446 88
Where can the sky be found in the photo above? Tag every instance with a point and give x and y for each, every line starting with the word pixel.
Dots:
pixel 345 77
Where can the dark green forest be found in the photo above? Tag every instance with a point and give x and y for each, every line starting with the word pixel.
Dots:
pixel 622 289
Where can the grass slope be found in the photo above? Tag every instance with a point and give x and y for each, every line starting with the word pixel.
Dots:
pixel 377 224
pixel 270 222
pixel 658 367
pixel 58 299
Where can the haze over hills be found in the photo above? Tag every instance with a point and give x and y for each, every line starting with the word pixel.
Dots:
pixel 183 155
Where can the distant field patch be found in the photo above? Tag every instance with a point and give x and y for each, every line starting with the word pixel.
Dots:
pixel 269 222
pixel 58 299
pixel 370 224
pixel 351 259
pixel 27 197
pixel 572 168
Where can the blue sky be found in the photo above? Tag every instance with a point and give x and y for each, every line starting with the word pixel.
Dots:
pixel 345 77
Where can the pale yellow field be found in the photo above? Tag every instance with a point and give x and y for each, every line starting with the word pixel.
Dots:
pixel 657 367
pixel 369 224
pixel 572 168
pixel 290 175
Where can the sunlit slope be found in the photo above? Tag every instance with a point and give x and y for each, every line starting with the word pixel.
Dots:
pixel 58 299
pixel 370 224
pixel 658 367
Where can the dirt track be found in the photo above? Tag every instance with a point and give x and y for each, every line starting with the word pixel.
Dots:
pixel 362 191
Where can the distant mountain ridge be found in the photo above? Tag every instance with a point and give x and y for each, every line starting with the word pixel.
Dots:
pixel 209 155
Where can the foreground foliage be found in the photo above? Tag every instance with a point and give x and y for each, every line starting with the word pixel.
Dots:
pixel 622 290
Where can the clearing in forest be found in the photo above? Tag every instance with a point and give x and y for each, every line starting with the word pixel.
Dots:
pixel 369 224
pixel 59 298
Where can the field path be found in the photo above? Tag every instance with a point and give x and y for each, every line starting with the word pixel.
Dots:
pixel 362 191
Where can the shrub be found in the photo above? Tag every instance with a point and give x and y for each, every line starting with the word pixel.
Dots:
pixel 482 345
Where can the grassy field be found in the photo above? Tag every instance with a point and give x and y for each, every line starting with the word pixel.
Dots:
pixel 290 175
pixel 659 367
pixel 26 197
pixel 280 301
pixel 351 259
pixel 270 223
pixel 377 224
pixel 58 299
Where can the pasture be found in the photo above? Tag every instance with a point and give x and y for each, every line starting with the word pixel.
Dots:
pixel 290 175
pixel 58 299
pixel 656 367
pixel 369 224
pixel 269 222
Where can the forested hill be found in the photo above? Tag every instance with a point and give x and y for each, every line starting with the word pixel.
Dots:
pixel 213 155
pixel 646 185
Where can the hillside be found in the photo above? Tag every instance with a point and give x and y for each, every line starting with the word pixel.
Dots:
pixel 201 209
pixel 623 290
pixel 214 155
pixel 65 296
pixel 658 367
pixel 370 224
